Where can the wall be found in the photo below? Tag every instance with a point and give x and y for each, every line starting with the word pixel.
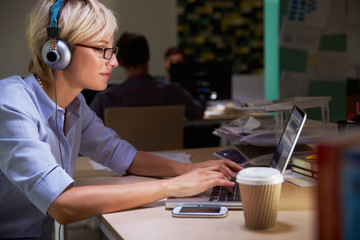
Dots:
pixel 293 60
pixel 14 57
pixel 155 19
pixel 247 87
pixel 353 34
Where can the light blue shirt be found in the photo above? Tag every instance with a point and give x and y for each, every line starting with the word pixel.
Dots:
pixel 32 174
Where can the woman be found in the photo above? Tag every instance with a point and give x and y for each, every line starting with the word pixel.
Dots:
pixel 45 123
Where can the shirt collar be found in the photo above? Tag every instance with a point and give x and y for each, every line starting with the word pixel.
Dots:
pixel 48 107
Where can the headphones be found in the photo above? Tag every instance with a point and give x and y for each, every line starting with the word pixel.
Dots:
pixel 55 52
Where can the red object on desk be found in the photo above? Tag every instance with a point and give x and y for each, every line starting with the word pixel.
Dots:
pixel 351 117
pixel 328 200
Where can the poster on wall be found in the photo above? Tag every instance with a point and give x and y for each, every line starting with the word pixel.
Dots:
pixel 338 18
pixel 327 66
pixel 309 13
pixel 226 30
pixel 304 23
pixel 295 35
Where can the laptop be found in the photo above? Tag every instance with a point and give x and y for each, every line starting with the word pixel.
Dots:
pixel 280 160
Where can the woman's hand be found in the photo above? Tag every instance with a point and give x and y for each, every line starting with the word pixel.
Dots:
pixel 226 166
pixel 198 180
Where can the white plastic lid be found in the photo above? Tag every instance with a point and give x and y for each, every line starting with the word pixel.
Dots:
pixel 259 176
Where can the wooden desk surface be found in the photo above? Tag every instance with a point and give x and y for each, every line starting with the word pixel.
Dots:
pixel 296 216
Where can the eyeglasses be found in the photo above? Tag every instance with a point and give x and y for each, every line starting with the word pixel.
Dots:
pixel 107 52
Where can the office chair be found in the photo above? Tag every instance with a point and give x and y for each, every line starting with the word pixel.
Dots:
pixel 148 128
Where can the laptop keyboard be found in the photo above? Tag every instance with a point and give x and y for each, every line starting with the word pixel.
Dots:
pixel 220 194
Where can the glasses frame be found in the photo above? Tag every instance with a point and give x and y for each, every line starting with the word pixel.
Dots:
pixel 104 50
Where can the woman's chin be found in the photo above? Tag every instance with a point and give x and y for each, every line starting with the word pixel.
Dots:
pixel 99 87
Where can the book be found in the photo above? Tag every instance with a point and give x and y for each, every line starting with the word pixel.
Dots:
pixel 337 190
pixel 329 221
pixel 304 163
pixel 303 171
pixel 350 193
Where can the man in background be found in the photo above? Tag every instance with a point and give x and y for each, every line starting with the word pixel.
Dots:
pixel 173 55
pixel 140 88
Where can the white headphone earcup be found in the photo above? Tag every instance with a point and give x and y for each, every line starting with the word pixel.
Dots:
pixel 59 58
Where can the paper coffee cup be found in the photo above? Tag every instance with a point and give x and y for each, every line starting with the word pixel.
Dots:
pixel 260 189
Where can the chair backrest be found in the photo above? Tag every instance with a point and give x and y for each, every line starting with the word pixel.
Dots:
pixel 149 128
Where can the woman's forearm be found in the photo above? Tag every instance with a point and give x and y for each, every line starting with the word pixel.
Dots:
pixel 77 203
pixel 148 164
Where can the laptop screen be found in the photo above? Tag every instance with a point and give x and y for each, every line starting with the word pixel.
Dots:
pixel 288 139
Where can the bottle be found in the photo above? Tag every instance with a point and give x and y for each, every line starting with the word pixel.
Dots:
pixel 357 113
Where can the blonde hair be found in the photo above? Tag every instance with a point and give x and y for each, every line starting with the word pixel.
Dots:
pixel 80 20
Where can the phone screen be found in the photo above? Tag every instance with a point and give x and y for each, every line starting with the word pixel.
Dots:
pixel 231 154
pixel 200 209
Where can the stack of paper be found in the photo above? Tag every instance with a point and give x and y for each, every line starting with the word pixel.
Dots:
pixel 265 132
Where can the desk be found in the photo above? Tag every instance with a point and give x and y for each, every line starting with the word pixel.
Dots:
pixel 296 216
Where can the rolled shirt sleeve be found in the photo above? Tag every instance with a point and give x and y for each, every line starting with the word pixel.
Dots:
pixel 34 171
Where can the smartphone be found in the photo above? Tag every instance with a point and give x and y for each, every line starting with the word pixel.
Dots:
pixel 231 154
pixel 199 211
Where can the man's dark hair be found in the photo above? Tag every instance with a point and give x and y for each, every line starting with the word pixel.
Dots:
pixel 133 49
pixel 172 51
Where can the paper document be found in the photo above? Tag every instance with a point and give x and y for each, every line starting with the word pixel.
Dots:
pixel 98 166
pixel 327 66
pixel 298 36
pixel 293 84
pixel 300 180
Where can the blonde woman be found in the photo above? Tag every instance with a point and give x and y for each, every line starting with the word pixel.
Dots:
pixel 45 123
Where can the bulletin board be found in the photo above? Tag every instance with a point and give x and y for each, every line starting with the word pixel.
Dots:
pixel 229 30
pixel 312 52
